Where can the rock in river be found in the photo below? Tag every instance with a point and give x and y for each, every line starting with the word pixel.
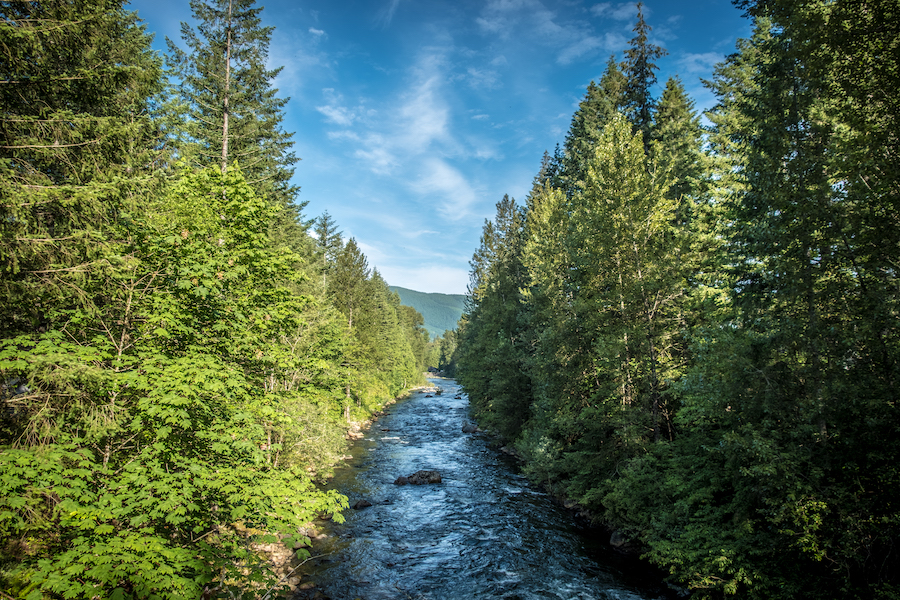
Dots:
pixel 419 478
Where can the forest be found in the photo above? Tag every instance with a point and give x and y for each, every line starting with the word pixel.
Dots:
pixel 691 329
pixel 181 350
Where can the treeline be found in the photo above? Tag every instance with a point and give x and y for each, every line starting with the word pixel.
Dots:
pixel 180 350
pixel 693 331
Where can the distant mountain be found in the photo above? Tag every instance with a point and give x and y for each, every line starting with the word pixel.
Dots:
pixel 440 311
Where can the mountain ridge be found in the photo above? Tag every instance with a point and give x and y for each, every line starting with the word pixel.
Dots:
pixel 440 311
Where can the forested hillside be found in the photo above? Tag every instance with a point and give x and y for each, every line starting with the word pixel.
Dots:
pixel 180 355
pixel 441 312
pixel 694 331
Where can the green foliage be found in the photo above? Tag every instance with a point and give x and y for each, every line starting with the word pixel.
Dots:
pixel 492 347
pixel 386 346
pixel 711 339
pixel 139 466
pixel 226 109
pixel 169 391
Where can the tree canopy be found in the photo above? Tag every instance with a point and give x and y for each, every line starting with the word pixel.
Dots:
pixel 175 378
pixel 701 345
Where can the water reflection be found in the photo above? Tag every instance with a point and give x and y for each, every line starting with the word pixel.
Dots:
pixel 484 532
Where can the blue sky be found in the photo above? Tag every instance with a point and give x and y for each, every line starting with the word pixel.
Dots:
pixel 414 117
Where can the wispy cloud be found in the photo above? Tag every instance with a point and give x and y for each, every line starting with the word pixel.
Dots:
pixel 444 187
pixel 386 14
pixel 481 79
pixel 316 32
pixel 699 64
pixel 570 38
pixel 624 11
pixel 335 112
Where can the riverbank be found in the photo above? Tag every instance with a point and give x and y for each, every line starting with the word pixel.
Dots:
pixel 283 557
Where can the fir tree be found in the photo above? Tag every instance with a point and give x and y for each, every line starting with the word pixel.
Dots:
pixel 600 104
pixel 77 152
pixel 231 111
pixel 639 69
pixel 328 243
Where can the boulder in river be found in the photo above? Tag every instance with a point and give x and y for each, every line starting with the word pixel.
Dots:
pixel 419 478
pixel 469 427
pixel 362 504
pixel 617 539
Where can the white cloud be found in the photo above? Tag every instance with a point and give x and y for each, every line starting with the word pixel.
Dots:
pixel 316 32
pixel 578 49
pixel 517 20
pixel 424 115
pixel 380 160
pixel 624 11
pixel 699 64
pixel 445 188
pixel 338 115
pixel 386 14
pixel 481 79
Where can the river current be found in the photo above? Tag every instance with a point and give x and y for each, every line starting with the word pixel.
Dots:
pixel 483 532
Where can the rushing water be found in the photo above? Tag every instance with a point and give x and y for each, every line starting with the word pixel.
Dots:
pixel 484 532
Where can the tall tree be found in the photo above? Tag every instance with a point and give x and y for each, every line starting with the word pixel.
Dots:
pixel 347 284
pixel 600 104
pixel 492 367
pixel 676 137
pixel 639 69
pixel 232 112
pixel 328 243
pixel 76 151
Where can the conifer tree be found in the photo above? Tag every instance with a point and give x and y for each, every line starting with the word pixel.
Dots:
pixel 231 111
pixel 76 152
pixel 676 141
pixel 639 69
pixel 492 366
pixel 600 104
pixel 328 243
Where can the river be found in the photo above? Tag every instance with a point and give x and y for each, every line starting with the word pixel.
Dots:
pixel 483 532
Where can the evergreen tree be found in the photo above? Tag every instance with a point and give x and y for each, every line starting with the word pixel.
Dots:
pixel 639 67
pixel 76 154
pixel 491 368
pixel 231 111
pixel 676 138
pixel 600 104
pixel 328 243
pixel 347 283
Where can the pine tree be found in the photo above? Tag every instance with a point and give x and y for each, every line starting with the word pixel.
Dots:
pixel 232 112
pixel 492 366
pixel 76 153
pixel 601 103
pixel 328 243
pixel 639 67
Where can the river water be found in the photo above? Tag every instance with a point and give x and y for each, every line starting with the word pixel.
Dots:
pixel 483 532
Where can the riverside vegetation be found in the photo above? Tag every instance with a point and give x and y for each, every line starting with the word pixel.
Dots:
pixel 179 356
pixel 693 331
